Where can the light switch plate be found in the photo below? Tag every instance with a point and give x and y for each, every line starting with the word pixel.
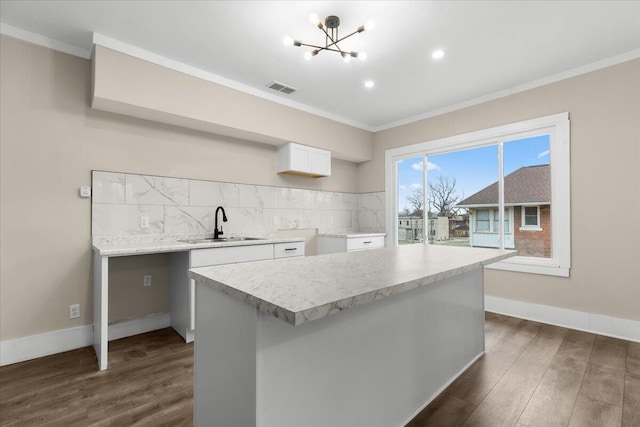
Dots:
pixel 275 221
pixel 144 221
pixel 85 192
pixel 146 280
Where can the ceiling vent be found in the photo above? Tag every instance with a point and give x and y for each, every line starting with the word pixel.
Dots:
pixel 281 87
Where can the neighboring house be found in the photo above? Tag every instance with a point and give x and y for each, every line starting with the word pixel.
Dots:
pixel 459 225
pixel 410 228
pixel 527 218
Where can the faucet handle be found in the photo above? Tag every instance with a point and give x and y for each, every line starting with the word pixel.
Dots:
pixel 220 233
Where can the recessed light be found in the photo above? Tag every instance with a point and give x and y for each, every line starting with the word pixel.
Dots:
pixel 437 54
pixel 369 84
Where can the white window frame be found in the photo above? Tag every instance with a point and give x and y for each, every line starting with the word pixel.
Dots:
pixel 558 129
pixel 523 226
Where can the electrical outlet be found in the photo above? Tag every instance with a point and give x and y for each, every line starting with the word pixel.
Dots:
pixel 144 222
pixel 146 280
pixel 275 221
pixel 331 220
pixel 74 311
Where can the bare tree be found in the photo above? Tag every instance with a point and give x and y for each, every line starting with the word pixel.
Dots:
pixel 416 200
pixel 443 197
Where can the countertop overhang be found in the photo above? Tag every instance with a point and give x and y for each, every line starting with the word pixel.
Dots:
pixel 304 289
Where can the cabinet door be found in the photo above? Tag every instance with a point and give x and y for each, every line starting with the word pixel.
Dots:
pixel 300 158
pixel 320 162
pixel 219 256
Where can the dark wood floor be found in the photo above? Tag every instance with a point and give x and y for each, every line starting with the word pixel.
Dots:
pixel 540 375
pixel 531 375
pixel 149 382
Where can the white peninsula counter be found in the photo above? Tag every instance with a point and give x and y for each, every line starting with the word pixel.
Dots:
pixel 361 338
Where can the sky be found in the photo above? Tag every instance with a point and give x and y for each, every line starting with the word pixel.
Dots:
pixel 473 169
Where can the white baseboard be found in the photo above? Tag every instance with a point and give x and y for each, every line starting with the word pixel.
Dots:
pixel 139 326
pixel 34 346
pixel 588 322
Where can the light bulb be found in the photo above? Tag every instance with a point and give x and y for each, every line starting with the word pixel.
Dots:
pixel 313 18
pixel 346 57
pixel 437 54
pixel 308 55
pixel 362 56
pixel 370 25
pixel 369 84
pixel 287 41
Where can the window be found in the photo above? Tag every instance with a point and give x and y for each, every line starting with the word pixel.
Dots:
pixel 482 220
pixel 531 218
pixel 496 219
pixel 493 175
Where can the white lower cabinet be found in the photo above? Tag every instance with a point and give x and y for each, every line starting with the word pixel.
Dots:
pixel 182 289
pixel 335 244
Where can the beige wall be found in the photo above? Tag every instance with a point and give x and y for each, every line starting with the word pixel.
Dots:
pixel 604 108
pixel 138 88
pixel 50 140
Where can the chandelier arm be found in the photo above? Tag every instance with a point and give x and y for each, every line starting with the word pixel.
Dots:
pixel 324 48
pixel 347 36
pixel 313 45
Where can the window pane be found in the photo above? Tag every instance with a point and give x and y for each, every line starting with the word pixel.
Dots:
pixel 410 201
pixel 531 216
pixel 482 220
pixel 527 182
pixel 452 179
pixel 496 221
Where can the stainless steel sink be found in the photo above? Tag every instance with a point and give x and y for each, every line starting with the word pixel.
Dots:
pixel 222 239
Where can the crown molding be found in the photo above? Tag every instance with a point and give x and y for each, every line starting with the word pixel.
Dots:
pixel 108 42
pixel 137 52
pixel 583 69
pixel 40 40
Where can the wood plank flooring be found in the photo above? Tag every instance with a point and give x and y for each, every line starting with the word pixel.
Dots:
pixel 149 383
pixel 541 375
pixel 531 375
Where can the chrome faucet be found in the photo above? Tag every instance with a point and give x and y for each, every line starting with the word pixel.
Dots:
pixel 217 233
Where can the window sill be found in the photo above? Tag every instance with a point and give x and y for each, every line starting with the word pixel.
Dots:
pixel 532 265
pixel 530 229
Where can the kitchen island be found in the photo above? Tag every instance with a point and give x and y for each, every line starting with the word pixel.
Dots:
pixel 362 338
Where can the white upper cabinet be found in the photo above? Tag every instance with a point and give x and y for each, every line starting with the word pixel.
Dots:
pixel 297 159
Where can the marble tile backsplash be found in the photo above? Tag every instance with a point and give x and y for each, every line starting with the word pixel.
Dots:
pixel 177 206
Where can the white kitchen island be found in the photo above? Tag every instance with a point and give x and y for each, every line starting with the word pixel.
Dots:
pixel 350 339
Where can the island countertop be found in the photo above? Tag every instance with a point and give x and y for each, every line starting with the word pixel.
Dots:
pixel 305 289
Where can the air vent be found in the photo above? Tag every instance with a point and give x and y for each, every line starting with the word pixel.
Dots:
pixel 281 87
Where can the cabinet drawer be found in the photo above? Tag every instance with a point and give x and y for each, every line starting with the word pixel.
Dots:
pixel 364 243
pixel 286 250
pixel 230 255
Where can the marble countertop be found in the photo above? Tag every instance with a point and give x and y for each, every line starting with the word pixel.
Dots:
pixel 300 290
pixel 351 235
pixel 123 248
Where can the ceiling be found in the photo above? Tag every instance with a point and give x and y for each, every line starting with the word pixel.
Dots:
pixel 490 46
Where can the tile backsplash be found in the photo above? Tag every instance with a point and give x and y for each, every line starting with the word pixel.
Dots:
pixel 187 206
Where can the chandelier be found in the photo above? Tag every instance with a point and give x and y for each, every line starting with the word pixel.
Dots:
pixel 330 30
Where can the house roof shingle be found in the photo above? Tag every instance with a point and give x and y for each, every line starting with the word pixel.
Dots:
pixel 529 184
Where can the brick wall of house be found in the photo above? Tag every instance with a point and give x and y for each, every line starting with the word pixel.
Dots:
pixel 531 242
